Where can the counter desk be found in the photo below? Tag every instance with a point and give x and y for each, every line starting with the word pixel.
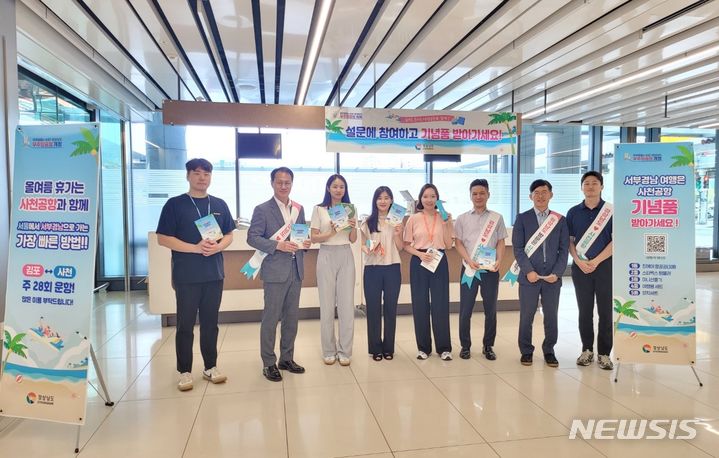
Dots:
pixel 242 299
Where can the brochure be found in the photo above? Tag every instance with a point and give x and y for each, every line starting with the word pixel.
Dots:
pixel 436 258
pixel 374 247
pixel 299 233
pixel 208 227
pixel 339 216
pixel 351 214
pixel 396 213
pixel 486 257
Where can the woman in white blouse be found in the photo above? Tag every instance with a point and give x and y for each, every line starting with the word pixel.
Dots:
pixel 335 272
pixel 381 243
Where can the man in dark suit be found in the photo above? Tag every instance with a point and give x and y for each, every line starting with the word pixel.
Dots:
pixel 282 271
pixel 540 239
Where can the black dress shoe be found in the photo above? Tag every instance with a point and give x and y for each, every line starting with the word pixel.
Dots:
pixel 464 353
pixel 551 360
pixel 272 374
pixel 292 367
pixel 526 360
pixel 489 353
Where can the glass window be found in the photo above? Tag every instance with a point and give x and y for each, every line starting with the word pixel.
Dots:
pixel 40 102
pixel 705 148
pixel 111 246
pixel 304 152
pixel 366 172
pixel 159 154
pixel 558 154
pixel 610 138
pixel 453 180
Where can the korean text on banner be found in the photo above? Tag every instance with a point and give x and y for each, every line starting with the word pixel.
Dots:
pixel 654 261
pixel 51 273
pixel 374 130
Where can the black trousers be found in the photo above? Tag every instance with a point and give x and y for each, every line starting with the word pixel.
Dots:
pixel 430 297
pixel 206 298
pixel 381 284
pixel 587 287
pixel 488 286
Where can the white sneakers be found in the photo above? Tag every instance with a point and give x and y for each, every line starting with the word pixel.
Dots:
pixel 586 358
pixel 446 356
pixel 422 355
pixel 185 382
pixel 214 375
pixel 344 361
pixel 330 360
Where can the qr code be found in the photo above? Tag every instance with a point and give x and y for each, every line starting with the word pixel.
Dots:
pixel 655 243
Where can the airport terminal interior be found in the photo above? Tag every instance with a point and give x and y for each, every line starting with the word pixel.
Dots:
pixel 172 80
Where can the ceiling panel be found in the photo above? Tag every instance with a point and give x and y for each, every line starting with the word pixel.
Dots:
pixel 407 26
pixel 183 23
pixel 343 31
pixel 235 23
pixel 604 62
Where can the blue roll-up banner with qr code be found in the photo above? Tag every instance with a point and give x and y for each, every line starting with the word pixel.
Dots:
pixel 654 269
pixel 51 271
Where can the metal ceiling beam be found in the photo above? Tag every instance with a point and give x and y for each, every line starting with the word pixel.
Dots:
pixel 429 26
pixel 507 79
pixel 460 46
pixel 367 30
pixel 207 18
pixel 709 25
pixel 530 35
pixel 170 32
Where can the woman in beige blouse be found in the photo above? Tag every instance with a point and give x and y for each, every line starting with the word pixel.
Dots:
pixel 381 244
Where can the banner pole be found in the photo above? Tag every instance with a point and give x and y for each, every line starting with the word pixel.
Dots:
pixel 108 402
pixel 697 376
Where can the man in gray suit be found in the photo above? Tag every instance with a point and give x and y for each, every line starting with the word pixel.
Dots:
pixel 282 272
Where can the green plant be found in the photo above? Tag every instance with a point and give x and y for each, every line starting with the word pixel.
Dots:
pixel 333 127
pixel 13 344
pixel 684 159
pixel 90 145
pixel 504 118
pixel 624 309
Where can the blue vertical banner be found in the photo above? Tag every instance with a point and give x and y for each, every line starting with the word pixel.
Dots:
pixel 654 268
pixel 51 270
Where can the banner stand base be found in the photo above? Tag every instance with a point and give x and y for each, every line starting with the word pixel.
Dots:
pixel 105 398
pixel 691 366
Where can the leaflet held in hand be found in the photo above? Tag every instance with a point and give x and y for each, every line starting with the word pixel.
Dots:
pixel 299 233
pixel 486 257
pixel 436 258
pixel 396 213
pixel 340 215
pixel 208 227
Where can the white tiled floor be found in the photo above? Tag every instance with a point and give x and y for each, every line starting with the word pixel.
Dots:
pixel 401 408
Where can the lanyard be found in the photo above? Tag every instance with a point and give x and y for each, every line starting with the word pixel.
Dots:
pixel 198 210
pixel 426 225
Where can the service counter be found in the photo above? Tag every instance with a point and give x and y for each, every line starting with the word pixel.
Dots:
pixel 242 299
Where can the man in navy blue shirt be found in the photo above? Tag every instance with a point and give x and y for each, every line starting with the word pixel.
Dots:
pixel 590 234
pixel 197 267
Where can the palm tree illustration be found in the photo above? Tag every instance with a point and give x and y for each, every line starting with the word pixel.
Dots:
pixel 13 344
pixel 90 144
pixel 624 309
pixel 684 159
pixel 334 126
pixel 505 118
